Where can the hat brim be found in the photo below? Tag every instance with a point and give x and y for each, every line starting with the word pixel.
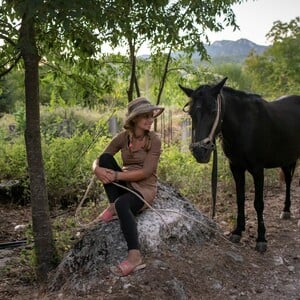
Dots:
pixel 157 110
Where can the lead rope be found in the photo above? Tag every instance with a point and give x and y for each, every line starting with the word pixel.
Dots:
pixel 214 182
pixel 211 135
pixel 214 173
pixel 96 220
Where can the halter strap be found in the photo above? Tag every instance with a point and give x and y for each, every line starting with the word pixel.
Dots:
pixel 211 135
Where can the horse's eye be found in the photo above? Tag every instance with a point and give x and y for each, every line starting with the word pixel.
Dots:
pixel 194 111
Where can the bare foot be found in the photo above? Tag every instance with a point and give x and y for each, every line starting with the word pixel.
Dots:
pixel 134 257
pixel 131 264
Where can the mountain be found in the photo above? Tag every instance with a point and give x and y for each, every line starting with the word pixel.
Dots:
pixel 241 47
pixel 231 51
pixel 225 51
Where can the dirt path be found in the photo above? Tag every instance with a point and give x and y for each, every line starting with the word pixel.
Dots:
pixel 218 270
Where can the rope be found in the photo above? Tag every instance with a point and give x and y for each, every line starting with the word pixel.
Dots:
pixel 214 182
pixel 210 143
pixel 216 122
pixel 97 218
pixel 145 202
pixel 214 173
pixel 155 210
pixel 80 205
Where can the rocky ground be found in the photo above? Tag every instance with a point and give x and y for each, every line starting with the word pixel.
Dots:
pixel 217 270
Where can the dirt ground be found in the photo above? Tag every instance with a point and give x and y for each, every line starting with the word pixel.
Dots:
pixel 217 270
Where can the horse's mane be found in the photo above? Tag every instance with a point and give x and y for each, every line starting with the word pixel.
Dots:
pixel 242 94
pixel 238 94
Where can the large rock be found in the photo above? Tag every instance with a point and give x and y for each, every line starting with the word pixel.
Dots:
pixel 174 222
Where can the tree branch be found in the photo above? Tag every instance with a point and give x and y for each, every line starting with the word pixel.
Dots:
pixel 16 60
pixel 6 38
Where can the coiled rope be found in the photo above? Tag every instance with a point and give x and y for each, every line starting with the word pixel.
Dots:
pixel 155 210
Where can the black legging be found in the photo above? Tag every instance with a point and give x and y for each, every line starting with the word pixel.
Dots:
pixel 127 204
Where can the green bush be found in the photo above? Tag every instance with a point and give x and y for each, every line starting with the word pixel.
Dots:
pixel 13 163
pixel 71 121
pixel 68 165
pixel 182 171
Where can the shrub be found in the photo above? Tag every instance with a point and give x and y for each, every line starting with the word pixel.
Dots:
pixel 13 163
pixel 69 122
pixel 68 166
pixel 182 171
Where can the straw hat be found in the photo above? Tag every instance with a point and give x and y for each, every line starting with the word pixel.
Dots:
pixel 140 106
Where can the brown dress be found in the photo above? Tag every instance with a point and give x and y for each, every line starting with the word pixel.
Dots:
pixel 139 159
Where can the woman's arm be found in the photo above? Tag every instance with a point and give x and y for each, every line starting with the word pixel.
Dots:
pixel 133 175
pixel 103 174
pixel 106 175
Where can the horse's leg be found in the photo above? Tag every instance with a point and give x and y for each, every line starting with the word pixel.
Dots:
pixel 261 242
pixel 239 178
pixel 288 176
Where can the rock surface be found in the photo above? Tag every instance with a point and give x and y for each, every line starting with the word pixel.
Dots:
pixel 172 223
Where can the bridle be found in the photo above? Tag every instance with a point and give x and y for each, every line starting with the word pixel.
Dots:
pixel 209 144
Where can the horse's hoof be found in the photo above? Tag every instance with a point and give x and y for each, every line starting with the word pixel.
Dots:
pixel 234 238
pixel 285 215
pixel 261 247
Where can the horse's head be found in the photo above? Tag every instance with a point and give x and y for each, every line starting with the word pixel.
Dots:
pixel 205 111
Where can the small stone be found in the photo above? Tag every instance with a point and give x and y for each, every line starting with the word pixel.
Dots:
pixel 217 286
pixel 126 286
pixel 278 261
pixel 291 269
pixel 235 257
pixel 20 227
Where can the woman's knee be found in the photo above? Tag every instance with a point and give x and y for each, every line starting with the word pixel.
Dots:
pixel 121 205
pixel 105 159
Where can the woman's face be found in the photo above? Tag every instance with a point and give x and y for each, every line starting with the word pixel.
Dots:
pixel 144 121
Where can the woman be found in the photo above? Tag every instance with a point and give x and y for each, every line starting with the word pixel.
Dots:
pixel 140 151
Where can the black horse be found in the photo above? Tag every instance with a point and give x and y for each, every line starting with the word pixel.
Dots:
pixel 255 134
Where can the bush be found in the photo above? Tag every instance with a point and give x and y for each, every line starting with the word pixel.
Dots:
pixel 182 171
pixel 13 163
pixel 68 165
pixel 69 122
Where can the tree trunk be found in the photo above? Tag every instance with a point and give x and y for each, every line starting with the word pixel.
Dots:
pixel 137 88
pixel 133 71
pixel 42 231
pixel 162 83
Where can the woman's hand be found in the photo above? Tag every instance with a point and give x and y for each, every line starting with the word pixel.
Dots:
pixel 103 174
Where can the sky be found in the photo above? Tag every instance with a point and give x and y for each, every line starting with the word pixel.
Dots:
pixel 255 19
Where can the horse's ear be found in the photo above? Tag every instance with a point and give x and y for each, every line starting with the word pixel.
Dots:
pixel 217 88
pixel 187 91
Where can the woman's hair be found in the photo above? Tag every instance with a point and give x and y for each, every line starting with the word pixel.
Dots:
pixel 129 127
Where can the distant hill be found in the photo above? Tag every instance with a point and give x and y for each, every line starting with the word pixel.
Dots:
pixel 226 51
pixel 231 51
pixel 241 47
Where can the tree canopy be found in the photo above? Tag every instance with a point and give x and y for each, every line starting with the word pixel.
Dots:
pixel 36 32
pixel 75 32
pixel 276 71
